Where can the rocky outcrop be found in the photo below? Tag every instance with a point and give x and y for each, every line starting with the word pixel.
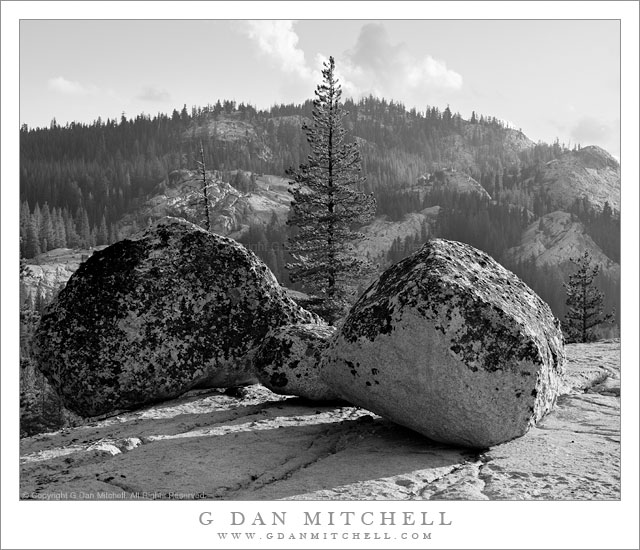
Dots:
pixel 49 272
pixel 590 172
pixel 449 343
pixel 229 129
pixel 150 318
pixel 449 180
pixel 554 239
pixel 380 234
pixel 288 361
pixel 231 210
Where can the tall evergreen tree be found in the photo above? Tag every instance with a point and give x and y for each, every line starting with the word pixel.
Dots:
pixel 205 185
pixel 113 233
pixel 25 222
pixel 32 244
pixel 47 235
pixel 585 303
pixel 60 231
pixel 73 239
pixel 102 235
pixel 83 228
pixel 327 203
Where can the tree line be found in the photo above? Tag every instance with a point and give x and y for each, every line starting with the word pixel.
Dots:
pixel 108 168
pixel 43 229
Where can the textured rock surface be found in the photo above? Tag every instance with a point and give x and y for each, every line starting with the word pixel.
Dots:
pixel 49 272
pixel 288 361
pixel 263 447
pixel 380 233
pixel 150 318
pixel 589 172
pixel 452 180
pixel 559 239
pixel 451 344
pixel 231 211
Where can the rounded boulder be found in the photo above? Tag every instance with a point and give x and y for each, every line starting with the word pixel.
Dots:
pixel 451 344
pixel 151 317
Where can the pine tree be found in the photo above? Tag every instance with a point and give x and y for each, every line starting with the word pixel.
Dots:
pixel 47 235
pixel 102 236
pixel 113 234
pixel 585 309
pixel 205 185
pixel 32 244
pixel 82 227
pixel 73 239
pixel 60 231
pixel 326 205
pixel 25 221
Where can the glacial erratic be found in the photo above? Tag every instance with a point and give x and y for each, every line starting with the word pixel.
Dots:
pixel 149 318
pixel 451 344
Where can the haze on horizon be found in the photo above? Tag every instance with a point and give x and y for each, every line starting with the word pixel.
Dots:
pixel 551 78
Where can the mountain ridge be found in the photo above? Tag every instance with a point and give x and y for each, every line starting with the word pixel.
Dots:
pixel 88 185
pixel 588 172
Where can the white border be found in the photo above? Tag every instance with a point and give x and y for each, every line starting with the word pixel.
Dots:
pixel 174 525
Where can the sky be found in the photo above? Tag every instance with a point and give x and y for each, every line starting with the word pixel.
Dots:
pixel 551 78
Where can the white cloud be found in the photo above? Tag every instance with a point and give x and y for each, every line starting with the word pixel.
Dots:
pixel 377 66
pixel 278 41
pixel 149 93
pixel 373 66
pixel 431 73
pixel 62 85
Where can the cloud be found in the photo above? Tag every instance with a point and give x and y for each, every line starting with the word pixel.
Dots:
pixel 373 66
pixel 150 93
pixel 278 41
pixel 377 66
pixel 62 85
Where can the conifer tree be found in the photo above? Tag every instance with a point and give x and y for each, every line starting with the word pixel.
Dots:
pixel 82 227
pixel 327 203
pixel 113 233
pixel 73 240
pixel 102 235
pixel 32 244
pixel 47 235
pixel 585 310
pixel 25 222
pixel 58 229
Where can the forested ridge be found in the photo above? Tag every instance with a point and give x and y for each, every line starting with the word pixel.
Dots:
pixel 77 181
pixel 107 167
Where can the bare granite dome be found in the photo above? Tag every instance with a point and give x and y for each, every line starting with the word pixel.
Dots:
pixel 590 173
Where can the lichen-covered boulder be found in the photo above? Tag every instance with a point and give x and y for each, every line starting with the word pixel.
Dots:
pixel 451 344
pixel 288 360
pixel 149 318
